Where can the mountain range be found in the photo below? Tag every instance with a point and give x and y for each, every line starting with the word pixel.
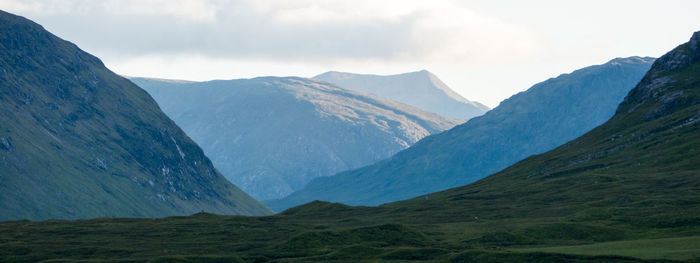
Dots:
pixel 78 141
pixel 421 89
pixel 272 135
pixel 626 191
pixel 531 122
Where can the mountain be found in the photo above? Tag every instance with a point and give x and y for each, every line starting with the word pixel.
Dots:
pixel 545 116
pixel 272 135
pixel 78 141
pixel 421 89
pixel 625 192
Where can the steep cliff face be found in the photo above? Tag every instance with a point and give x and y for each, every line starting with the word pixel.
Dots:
pixel 421 89
pixel 271 135
pixel 531 122
pixel 78 141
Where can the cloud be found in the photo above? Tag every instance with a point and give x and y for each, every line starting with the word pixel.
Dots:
pixel 305 30
pixel 194 10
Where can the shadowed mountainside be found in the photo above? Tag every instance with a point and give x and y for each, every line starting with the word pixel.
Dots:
pixel 78 141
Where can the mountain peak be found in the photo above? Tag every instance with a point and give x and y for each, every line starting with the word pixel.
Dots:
pixel 421 89
pixel 658 93
pixel 633 59
pixel 679 57
pixel 341 74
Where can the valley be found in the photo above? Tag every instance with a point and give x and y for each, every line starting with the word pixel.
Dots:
pixel 598 165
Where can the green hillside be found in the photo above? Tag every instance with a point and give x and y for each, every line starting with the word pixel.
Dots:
pixel 625 192
pixel 78 141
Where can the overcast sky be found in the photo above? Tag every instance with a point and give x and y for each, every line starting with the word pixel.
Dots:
pixel 485 50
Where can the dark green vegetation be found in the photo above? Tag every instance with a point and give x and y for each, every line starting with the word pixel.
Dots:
pixel 270 136
pixel 632 182
pixel 676 248
pixel 531 122
pixel 78 141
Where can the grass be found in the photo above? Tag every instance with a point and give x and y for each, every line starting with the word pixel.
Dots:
pixel 285 238
pixel 677 248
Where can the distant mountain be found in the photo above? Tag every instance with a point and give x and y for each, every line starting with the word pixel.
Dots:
pixel 78 141
pixel 272 135
pixel 421 89
pixel 531 122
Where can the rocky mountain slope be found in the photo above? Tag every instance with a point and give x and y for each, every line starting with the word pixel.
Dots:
pixel 421 89
pixel 531 122
pixel 272 135
pixel 78 141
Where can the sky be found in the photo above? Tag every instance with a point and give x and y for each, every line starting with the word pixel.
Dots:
pixel 486 50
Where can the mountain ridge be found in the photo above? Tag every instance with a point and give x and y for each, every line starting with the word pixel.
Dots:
pixel 563 108
pixel 657 152
pixel 271 135
pixel 421 89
